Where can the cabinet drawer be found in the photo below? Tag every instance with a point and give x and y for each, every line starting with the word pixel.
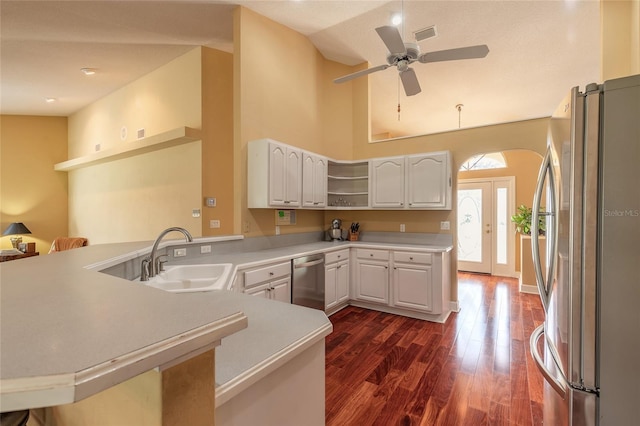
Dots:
pixel 412 257
pixel 336 256
pixel 373 254
pixel 259 275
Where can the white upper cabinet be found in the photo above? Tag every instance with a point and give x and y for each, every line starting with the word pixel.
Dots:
pixel 314 180
pixel 387 182
pixel 413 182
pixel 429 181
pixel 274 174
pixel 283 176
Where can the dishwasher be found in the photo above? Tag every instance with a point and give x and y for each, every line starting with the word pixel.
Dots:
pixel 307 287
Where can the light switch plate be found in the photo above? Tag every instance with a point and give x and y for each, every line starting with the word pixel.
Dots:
pixel 445 225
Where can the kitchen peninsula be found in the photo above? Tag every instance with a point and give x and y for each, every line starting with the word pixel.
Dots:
pixel 70 333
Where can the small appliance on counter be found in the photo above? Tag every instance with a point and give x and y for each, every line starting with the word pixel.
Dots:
pixel 335 232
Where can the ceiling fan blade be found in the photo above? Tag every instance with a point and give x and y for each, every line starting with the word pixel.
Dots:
pixel 469 52
pixel 410 82
pixel 392 39
pixel 361 73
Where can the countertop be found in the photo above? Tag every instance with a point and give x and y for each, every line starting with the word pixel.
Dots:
pixel 250 259
pixel 62 322
pixel 69 332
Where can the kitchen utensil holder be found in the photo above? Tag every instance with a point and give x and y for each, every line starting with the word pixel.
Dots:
pixel 353 236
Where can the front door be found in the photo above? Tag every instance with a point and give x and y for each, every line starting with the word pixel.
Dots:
pixel 474 226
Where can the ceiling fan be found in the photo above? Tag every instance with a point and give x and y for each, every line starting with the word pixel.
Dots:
pixel 402 54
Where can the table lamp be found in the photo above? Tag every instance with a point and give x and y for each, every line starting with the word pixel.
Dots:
pixel 16 229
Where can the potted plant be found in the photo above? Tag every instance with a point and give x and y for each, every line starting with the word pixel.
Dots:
pixel 523 220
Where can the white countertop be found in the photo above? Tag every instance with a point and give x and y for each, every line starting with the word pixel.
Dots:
pixel 69 331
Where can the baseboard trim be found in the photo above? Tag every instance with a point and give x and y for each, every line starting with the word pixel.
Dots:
pixel 530 289
pixel 454 306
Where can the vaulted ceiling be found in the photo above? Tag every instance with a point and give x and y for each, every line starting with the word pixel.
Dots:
pixel 538 50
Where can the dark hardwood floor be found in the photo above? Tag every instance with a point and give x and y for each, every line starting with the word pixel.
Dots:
pixel 475 369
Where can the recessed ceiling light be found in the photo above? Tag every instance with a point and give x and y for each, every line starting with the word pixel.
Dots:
pixel 88 71
pixel 50 100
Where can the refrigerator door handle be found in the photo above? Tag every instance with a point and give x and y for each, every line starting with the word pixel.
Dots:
pixel 549 377
pixel 543 286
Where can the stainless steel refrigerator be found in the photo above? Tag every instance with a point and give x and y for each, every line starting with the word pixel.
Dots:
pixel 588 348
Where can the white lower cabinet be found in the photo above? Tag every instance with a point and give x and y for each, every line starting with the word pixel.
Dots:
pixel 336 279
pixel 412 281
pixel 418 285
pixel 372 276
pixel 271 282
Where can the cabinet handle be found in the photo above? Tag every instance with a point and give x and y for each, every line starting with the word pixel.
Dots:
pixel 371 254
pixel 287 202
pixel 339 266
pixel 411 258
pixel 270 274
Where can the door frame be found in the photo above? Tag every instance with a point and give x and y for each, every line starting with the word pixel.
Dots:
pixel 508 182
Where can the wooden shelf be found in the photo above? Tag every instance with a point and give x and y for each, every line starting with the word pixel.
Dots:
pixel 174 137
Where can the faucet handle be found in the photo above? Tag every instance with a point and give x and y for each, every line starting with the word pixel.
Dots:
pixel 144 269
pixel 160 263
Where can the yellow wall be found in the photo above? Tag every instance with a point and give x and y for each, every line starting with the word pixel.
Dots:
pixel 524 166
pixel 278 94
pixel 217 140
pixel 620 34
pixel 135 198
pixel 30 190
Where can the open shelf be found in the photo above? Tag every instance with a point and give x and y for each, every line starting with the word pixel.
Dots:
pixel 174 137
pixel 348 184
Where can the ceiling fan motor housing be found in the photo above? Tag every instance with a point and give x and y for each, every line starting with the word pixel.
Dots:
pixel 411 54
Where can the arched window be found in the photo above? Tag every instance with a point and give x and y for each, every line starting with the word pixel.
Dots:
pixel 494 160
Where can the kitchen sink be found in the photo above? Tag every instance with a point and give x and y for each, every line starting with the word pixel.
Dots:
pixel 189 278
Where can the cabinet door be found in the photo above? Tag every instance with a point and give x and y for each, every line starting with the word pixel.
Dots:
pixel 277 174
pixel 314 181
pixel 429 181
pixel 293 173
pixel 285 176
pixel 413 287
pixel 281 290
pixel 342 282
pixel 373 282
pixel 263 291
pixel 320 182
pixel 387 182
pixel 330 285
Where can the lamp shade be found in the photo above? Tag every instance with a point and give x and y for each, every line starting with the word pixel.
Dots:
pixel 16 228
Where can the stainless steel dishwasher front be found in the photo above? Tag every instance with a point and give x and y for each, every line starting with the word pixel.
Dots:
pixel 307 288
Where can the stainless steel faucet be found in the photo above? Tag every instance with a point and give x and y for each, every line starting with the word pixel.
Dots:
pixel 151 265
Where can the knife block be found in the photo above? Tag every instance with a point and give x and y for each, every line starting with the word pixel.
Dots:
pixel 353 236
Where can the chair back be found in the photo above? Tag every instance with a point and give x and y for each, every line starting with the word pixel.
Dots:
pixel 67 243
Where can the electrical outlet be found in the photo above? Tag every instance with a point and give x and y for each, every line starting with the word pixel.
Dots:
pixel 205 249
pixel 210 202
pixel 402 227
pixel 445 225
pixel 181 252
pixel 214 223
pixel 140 133
pixel 247 226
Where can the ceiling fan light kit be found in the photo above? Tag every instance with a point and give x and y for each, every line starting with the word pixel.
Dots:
pixel 402 54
